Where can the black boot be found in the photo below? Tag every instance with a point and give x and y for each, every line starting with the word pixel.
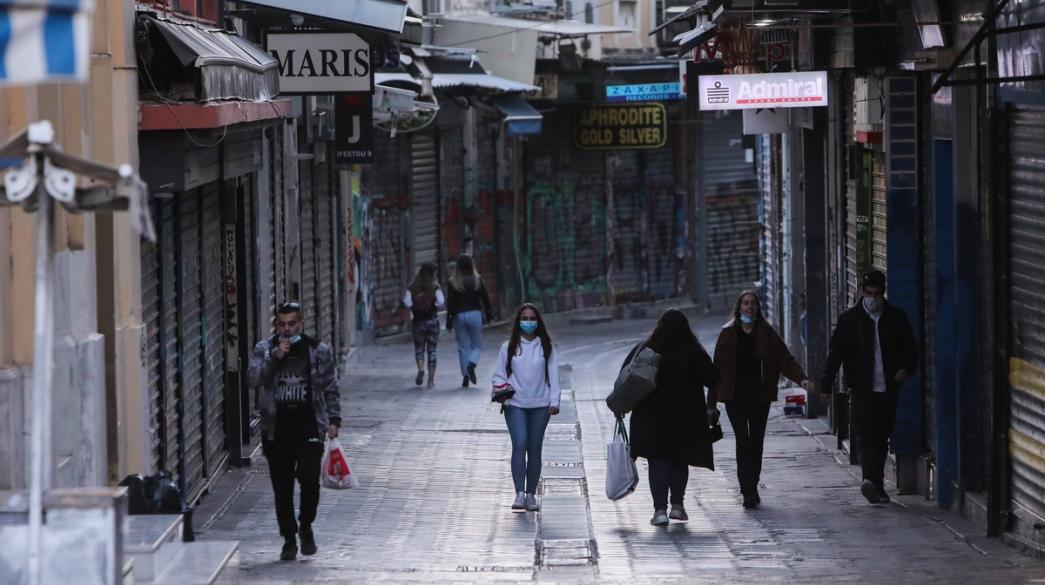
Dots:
pixel 308 541
pixel 290 549
pixel 464 382
pixel 471 373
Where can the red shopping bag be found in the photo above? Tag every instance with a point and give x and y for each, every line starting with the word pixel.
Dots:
pixel 336 472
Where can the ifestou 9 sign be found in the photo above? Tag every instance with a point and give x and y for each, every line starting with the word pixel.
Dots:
pixel 624 126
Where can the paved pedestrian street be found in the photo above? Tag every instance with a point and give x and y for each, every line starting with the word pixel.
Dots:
pixel 433 504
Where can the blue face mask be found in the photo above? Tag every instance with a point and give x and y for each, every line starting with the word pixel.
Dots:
pixel 528 327
pixel 747 320
pixel 295 339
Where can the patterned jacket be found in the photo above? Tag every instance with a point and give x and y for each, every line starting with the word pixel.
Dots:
pixel 326 398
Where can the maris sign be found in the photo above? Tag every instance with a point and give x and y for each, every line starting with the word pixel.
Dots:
pixel 321 63
pixel 795 89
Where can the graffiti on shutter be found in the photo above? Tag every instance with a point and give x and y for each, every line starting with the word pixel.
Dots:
pixel 213 328
pixel 425 197
pixel 666 232
pixel 190 339
pixel 770 216
pixel 732 199
pixel 451 195
pixel 1027 314
pixel 562 241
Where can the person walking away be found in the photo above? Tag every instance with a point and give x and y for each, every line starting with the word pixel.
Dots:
pixel 466 305
pixel 294 376
pixel 751 355
pixel 670 428
pixel 424 298
pixel 528 364
pixel 874 344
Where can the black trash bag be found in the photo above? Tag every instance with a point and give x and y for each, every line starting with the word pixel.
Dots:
pixel 158 494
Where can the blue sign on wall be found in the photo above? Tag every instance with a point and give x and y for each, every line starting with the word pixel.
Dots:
pixel 643 92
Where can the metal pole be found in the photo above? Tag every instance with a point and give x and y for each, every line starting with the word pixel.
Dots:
pixel 40 470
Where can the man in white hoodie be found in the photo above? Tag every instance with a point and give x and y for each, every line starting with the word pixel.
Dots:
pixel 528 365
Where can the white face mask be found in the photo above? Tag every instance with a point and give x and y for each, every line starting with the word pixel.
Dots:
pixel 873 304
pixel 747 319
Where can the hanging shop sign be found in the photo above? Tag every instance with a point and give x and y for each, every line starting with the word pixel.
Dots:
pixel 353 128
pixel 321 62
pixel 795 89
pixel 643 92
pixel 622 126
pixel 231 299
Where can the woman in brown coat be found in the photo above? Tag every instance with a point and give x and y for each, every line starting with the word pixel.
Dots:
pixel 751 356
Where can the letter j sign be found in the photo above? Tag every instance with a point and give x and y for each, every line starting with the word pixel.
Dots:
pixel 321 62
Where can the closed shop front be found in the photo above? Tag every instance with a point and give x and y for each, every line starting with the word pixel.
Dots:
pixel 770 174
pixel 424 150
pixel 732 202
pixel 1027 319
pixel 600 223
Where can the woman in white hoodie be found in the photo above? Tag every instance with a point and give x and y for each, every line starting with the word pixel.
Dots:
pixel 527 364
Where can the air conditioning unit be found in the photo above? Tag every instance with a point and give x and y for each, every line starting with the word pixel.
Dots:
pixel 434 7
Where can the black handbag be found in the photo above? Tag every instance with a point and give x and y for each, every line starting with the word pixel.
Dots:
pixel 715 432
pixel 503 395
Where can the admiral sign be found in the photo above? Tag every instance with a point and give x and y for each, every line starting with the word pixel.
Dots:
pixel 321 63
pixel 795 89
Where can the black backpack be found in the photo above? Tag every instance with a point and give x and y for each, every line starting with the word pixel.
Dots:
pixel 423 307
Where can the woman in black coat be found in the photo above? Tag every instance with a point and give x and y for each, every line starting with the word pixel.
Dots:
pixel 670 427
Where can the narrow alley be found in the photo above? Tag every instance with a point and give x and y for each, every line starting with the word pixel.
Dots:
pixel 433 504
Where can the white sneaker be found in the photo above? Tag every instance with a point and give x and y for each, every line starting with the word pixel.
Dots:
pixel 519 505
pixel 660 518
pixel 531 503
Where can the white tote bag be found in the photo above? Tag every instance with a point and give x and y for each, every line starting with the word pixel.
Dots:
pixel 621 474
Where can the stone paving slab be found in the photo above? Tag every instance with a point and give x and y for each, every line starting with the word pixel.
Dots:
pixel 432 507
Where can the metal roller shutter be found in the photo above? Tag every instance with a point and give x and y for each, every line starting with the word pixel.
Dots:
pixel 307 225
pixel 167 239
pixel 213 294
pixel 666 205
pixel 150 276
pixel 771 215
pixel 190 340
pixel 732 194
pixel 325 273
pixel 879 230
pixel 629 216
pixel 1027 309
pixel 425 194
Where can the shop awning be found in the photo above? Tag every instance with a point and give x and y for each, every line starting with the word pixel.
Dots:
pixel 44 40
pixel 556 28
pixel 230 66
pixel 684 13
pixel 521 118
pixel 383 15
pixel 451 80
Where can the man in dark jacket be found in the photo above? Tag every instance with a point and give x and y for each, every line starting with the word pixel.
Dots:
pixel 300 403
pixel 874 344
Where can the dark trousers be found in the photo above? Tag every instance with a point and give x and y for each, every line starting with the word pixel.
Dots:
pixel 665 476
pixel 289 459
pixel 749 425
pixel 873 417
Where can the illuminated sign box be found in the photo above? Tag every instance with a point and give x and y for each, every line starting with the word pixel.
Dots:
pixel 622 126
pixel 795 89
pixel 643 92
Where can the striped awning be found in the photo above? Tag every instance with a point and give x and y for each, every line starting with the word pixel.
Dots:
pixel 44 40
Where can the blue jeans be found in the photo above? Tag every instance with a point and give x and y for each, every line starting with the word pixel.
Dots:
pixel 468 329
pixel 526 427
